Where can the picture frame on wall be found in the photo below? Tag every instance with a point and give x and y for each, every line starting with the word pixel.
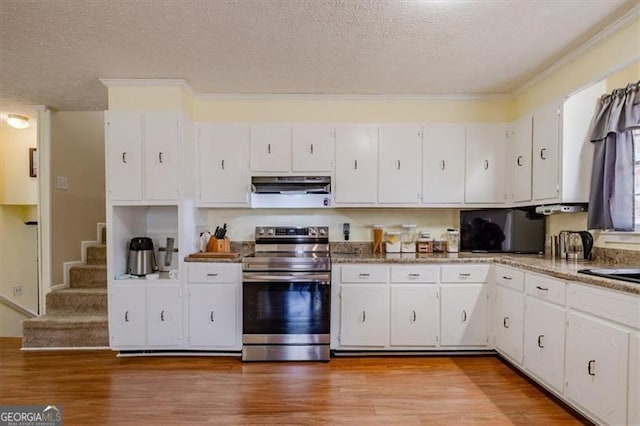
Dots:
pixel 33 162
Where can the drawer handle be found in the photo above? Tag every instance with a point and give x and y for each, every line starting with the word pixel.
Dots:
pixel 542 288
pixel 413 316
pixel 363 275
pixel 464 316
pixel 124 157
pixel 126 316
pixel 464 274
pixel 540 337
pixel 505 277
pixel 212 275
pixel 414 275
pixel 364 316
pixel 211 316
pixel 590 366
pixel 504 322
pixel 162 316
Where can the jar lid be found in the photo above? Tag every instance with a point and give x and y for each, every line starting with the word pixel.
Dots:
pixel 409 225
pixel 378 226
pixel 394 232
pixel 425 240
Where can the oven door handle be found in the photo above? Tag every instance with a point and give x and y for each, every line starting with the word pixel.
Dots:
pixel 302 277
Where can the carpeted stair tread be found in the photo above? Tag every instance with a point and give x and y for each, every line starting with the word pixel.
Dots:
pixel 77 301
pixel 87 276
pixel 66 321
pixel 96 255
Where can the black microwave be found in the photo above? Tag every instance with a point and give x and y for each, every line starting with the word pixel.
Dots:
pixel 502 231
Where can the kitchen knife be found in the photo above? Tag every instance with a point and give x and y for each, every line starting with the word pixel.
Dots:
pixel 215 233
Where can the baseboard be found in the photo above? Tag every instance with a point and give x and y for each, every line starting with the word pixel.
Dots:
pixel 77 348
pixel 132 354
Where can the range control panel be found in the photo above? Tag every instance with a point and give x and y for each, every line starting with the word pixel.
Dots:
pixel 291 232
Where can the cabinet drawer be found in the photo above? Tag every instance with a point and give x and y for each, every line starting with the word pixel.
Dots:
pixel 608 304
pixel 213 273
pixel 545 288
pixel 510 277
pixel 364 274
pixel 465 273
pixel 414 274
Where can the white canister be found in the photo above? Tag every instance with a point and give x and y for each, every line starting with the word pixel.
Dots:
pixel 392 242
pixel 453 240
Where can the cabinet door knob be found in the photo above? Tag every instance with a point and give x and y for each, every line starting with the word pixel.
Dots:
pixel 160 159
pixel 542 152
pixel 443 164
pixel 355 164
pixel 124 157
pixel 486 164
pixel 268 148
pixel 126 316
pixel 222 164
pixel 364 316
pixel 540 337
pixel 311 149
pixel 211 316
pixel 398 165
pixel 162 316
pixel 413 316
pixel 519 161
pixel 464 316
pixel 504 322
pixel 590 367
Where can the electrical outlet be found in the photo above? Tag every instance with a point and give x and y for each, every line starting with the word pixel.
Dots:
pixel 345 231
pixel 62 183
pixel 17 291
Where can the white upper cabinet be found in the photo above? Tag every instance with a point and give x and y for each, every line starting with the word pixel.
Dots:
pixel 546 144
pixel 485 164
pixel 161 133
pixel 400 164
pixel 313 148
pixel 519 162
pixel 142 155
pixel 270 148
pixel 124 155
pixel 443 157
pixel 223 177
pixel 356 165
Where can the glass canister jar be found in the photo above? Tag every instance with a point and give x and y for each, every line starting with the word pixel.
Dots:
pixel 392 242
pixel 453 240
pixel 424 243
pixel 408 238
pixel 439 245
pixel 378 236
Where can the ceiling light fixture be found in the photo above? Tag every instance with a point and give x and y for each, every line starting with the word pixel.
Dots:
pixel 18 121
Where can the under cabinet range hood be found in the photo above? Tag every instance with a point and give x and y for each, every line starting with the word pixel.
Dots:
pixel 269 192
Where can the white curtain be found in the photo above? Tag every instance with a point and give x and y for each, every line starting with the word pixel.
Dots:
pixel 612 179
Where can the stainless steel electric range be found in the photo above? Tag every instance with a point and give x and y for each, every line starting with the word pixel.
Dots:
pixel 286 295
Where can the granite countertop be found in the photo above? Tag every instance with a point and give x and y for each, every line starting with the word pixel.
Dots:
pixel 562 269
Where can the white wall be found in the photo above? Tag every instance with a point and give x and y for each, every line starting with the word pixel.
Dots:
pixel 241 223
pixel 16 187
pixel 77 153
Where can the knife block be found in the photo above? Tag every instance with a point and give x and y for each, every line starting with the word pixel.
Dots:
pixel 220 245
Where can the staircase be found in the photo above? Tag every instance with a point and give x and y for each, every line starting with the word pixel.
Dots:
pixel 76 316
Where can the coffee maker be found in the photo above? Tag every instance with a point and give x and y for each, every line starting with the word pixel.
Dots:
pixel 141 260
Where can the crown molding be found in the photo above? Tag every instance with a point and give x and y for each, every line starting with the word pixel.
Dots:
pixel 150 82
pixel 618 25
pixel 343 97
pixel 39 108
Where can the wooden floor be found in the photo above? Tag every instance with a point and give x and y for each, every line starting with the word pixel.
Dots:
pixel 95 387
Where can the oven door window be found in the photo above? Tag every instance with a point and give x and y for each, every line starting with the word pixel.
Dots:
pixel 286 308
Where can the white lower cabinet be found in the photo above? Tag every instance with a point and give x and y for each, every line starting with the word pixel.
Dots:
pixel 364 315
pixel 463 318
pixel 164 315
pixel 544 339
pixel 597 373
pixel 509 322
pixel 634 381
pixel 414 315
pixel 213 316
pixel 214 306
pixel 127 315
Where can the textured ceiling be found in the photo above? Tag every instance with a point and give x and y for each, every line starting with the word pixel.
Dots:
pixel 54 52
